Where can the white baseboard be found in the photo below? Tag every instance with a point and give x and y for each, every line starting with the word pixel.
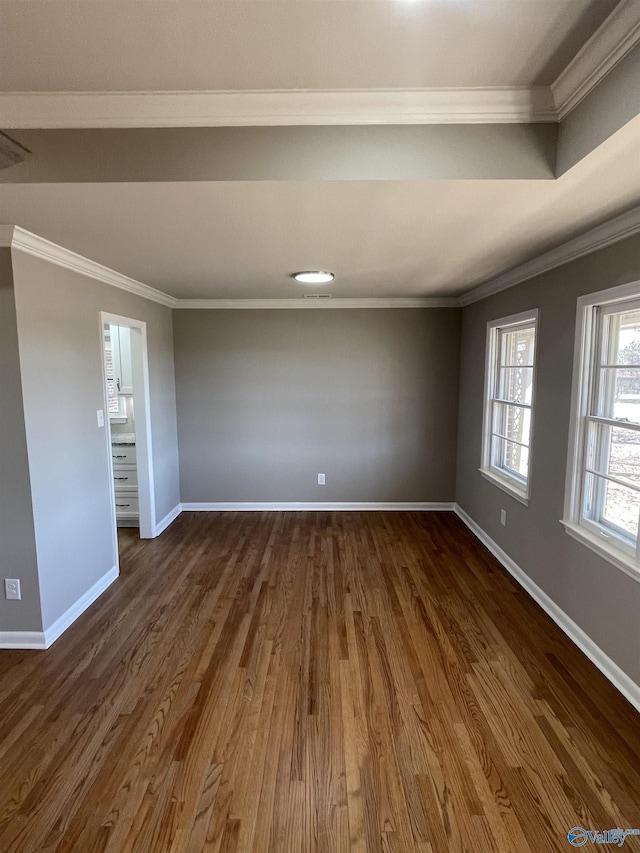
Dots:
pixel 22 640
pixel 166 521
pixel 629 689
pixel 61 624
pixel 303 506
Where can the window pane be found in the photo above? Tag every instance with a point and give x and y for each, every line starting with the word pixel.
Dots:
pixel 510 457
pixel 619 393
pixel 513 422
pixel 622 338
pixel 614 451
pixel 516 383
pixel 612 505
pixel 516 346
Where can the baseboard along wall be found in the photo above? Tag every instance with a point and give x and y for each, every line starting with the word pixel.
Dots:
pixel 609 668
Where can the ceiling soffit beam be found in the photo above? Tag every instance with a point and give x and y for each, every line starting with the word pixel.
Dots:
pixel 435 152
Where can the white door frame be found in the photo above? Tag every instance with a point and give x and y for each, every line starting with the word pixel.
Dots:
pixel 142 409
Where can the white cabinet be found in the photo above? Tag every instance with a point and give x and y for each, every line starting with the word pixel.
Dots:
pixel 125 480
pixel 121 354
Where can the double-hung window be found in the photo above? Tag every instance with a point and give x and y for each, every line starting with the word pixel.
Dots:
pixel 509 401
pixel 603 477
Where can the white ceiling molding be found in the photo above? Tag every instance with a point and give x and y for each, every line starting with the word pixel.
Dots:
pixel 24 241
pixel 301 302
pixel 619 34
pixel 625 225
pixel 37 110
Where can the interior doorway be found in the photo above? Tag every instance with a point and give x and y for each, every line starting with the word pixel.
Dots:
pixel 127 421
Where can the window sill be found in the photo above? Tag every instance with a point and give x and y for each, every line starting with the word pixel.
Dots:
pixel 599 547
pixel 506 486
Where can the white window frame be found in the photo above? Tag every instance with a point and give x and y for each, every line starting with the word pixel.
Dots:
pixel 517 487
pixel 588 346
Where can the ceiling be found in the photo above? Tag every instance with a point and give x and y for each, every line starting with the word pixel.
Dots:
pixel 121 45
pixel 241 239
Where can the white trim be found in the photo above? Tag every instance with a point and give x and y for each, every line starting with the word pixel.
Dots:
pixel 262 108
pixel 586 347
pixel 619 34
pixel 168 519
pixel 616 229
pixel 629 689
pixel 142 406
pixel 24 241
pixel 505 486
pixel 303 506
pixel 497 476
pixel 22 640
pixel 301 302
pixel 61 624
pixel 619 559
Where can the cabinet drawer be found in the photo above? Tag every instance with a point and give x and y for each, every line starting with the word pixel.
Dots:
pixel 123 454
pixel 126 506
pixel 124 476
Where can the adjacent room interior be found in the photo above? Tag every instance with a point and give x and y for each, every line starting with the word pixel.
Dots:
pixel 320 425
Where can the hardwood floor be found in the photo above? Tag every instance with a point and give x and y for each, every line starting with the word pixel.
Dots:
pixel 312 682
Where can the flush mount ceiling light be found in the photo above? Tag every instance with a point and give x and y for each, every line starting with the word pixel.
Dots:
pixel 313 277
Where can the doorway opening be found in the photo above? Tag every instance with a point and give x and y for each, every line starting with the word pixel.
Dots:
pixel 128 426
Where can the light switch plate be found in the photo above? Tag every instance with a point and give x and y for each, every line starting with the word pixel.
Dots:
pixel 100 417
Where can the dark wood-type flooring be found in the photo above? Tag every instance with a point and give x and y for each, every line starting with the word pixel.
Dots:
pixel 312 682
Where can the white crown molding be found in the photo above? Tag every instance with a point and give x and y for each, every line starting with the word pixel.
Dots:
pixel 301 302
pixel 619 34
pixel 23 110
pixel 625 225
pixel 608 667
pixel 24 241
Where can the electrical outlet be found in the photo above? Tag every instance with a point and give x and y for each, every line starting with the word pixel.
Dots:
pixel 12 589
pixel 321 479
pixel 503 517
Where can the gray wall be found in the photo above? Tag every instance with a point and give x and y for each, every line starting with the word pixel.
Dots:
pixel 60 343
pixel 267 399
pixel 18 553
pixel 603 601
